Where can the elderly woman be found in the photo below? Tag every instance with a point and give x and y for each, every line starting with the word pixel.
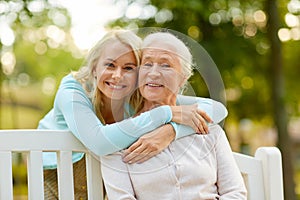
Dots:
pixel 192 167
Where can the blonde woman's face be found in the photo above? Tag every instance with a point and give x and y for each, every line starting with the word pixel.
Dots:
pixel 160 74
pixel 116 71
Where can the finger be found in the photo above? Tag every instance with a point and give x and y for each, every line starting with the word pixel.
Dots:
pixel 203 123
pixel 132 148
pixel 146 157
pixel 194 126
pixel 198 121
pixel 130 157
pixel 205 116
pixel 141 157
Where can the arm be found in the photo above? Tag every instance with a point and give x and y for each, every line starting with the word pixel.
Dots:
pixel 140 150
pixel 77 111
pixel 229 181
pixel 214 109
pixel 149 144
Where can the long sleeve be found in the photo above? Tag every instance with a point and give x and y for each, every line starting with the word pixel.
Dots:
pixel 118 184
pixel 74 111
pixel 229 182
pixel 216 110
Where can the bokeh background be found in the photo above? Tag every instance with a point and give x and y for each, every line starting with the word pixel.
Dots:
pixel 254 43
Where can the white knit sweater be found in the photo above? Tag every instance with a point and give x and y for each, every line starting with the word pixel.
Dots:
pixel 194 167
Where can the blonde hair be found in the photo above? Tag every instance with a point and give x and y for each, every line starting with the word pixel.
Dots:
pixel 182 51
pixel 85 74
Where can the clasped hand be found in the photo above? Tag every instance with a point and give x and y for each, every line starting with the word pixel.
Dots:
pixel 154 142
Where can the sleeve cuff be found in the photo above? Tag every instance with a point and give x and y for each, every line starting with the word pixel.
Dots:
pixel 175 127
pixel 164 110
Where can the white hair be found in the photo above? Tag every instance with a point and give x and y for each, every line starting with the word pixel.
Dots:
pixel 182 51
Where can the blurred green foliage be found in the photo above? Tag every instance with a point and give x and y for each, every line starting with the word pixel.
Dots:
pixel 233 32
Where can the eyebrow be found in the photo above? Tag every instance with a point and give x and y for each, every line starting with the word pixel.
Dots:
pixel 163 57
pixel 110 59
pixel 131 64
pixel 114 61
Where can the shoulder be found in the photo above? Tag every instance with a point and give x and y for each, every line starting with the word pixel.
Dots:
pixel 69 81
pixel 69 85
pixel 215 132
pixel 215 129
pixel 218 135
pixel 182 99
pixel 71 90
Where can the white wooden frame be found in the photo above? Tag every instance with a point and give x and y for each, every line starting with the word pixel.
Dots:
pixel 34 142
pixel 262 173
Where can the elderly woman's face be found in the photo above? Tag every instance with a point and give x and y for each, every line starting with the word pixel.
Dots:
pixel 160 75
pixel 116 71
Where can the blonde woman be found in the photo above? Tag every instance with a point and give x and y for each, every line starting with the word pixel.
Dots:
pixel 97 104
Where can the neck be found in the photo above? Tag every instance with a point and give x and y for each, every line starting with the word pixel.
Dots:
pixel 148 105
pixel 113 110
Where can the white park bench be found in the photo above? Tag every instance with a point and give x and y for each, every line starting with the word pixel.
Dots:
pixel 262 173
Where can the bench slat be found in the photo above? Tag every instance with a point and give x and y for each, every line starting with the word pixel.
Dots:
pixel 35 175
pixel 6 184
pixel 65 175
pixel 94 180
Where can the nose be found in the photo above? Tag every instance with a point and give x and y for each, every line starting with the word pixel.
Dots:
pixel 154 71
pixel 117 73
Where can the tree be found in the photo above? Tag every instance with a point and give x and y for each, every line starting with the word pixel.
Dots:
pixel 242 38
pixel 35 44
pixel 278 94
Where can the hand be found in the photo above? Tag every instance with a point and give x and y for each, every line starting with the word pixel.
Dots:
pixel 191 116
pixel 149 145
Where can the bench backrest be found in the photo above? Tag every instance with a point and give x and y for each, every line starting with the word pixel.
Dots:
pixel 33 143
pixel 262 173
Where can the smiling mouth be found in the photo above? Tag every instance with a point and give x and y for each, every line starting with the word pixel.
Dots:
pixel 154 85
pixel 116 87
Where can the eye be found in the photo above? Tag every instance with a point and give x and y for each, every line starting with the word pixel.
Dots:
pixel 147 64
pixel 109 65
pixel 129 67
pixel 165 65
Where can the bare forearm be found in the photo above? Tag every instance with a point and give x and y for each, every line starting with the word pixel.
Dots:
pixel 150 144
pixel 177 114
pixel 192 116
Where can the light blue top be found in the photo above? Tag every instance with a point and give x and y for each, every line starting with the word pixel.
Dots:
pixel 73 111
